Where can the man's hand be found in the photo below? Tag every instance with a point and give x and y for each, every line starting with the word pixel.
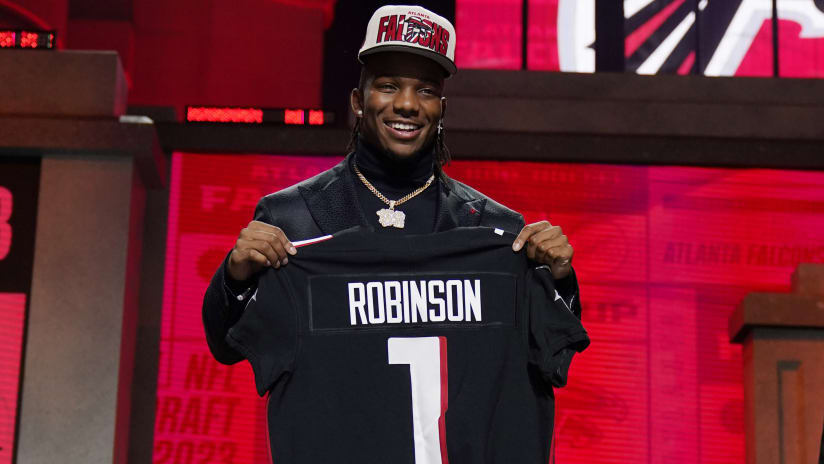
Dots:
pixel 258 245
pixel 548 245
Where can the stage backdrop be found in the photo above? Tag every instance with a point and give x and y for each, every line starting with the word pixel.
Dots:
pixel 663 255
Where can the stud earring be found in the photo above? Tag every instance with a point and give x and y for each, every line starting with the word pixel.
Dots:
pixel 360 112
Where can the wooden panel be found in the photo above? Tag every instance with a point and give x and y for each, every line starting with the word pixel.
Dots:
pixel 91 84
pixel 784 378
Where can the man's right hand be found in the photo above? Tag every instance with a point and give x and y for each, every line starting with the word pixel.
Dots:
pixel 258 245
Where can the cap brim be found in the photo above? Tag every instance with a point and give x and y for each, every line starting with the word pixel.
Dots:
pixel 445 62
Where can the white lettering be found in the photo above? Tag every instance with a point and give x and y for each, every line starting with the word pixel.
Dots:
pixel 418 301
pixel 440 314
pixel 393 302
pixel 472 297
pixel 378 317
pixel 406 301
pixel 356 303
pixel 454 306
pixel 414 301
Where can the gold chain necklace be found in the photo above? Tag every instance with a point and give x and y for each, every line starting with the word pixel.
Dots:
pixel 390 217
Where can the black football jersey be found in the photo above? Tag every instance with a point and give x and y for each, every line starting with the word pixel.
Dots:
pixel 425 349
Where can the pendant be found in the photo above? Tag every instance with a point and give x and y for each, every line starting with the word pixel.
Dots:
pixel 390 217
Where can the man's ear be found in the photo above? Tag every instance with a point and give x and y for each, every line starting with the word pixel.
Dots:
pixel 443 107
pixel 356 101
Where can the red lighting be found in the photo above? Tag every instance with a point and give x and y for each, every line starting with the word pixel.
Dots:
pixel 293 116
pixel 316 117
pixel 28 39
pixel 12 315
pixel 212 114
pixel 7 39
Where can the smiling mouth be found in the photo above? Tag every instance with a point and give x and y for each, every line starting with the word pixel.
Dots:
pixel 403 127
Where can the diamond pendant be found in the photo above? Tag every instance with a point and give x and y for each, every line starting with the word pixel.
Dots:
pixel 390 217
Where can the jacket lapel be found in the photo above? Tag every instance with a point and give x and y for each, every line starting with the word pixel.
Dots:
pixel 455 210
pixel 331 200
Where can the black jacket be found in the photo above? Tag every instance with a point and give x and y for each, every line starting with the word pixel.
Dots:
pixel 325 204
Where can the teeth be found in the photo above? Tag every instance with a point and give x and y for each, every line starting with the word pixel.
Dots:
pixel 402 126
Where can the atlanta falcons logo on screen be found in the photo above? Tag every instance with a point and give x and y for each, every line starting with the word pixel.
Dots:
pixel 711 37
pixel 720 38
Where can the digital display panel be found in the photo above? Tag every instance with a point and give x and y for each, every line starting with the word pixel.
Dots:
pixel 19 184
pixel 663 256
pixel 729 38
pixel 12 316
pixel 490 34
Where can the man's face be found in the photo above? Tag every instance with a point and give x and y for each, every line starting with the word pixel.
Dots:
pixel 401 102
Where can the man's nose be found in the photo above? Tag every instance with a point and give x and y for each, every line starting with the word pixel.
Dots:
pixel 406 101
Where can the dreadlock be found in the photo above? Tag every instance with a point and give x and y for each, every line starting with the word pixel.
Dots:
pixel 353 139
pixel 442 154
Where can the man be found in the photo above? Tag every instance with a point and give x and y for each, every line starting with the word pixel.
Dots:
pixel 397 144
pixel 391 182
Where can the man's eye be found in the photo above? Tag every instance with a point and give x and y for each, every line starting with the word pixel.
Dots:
pixel 386 87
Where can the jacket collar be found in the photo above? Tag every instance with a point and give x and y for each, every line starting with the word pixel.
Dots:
pixel 456 210
pixel 333 205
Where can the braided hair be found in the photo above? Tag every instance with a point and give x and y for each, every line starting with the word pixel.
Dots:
pixel 442 154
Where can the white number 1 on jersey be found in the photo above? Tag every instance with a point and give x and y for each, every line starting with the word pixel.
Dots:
pixel 426 357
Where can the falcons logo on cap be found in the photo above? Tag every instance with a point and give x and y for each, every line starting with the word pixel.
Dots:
pixel 415 28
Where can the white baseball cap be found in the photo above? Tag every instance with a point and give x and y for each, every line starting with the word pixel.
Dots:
pixel 412 29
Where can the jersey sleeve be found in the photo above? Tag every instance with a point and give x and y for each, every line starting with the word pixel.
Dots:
pixel 555 330
pixel 224 301
pixel 267 332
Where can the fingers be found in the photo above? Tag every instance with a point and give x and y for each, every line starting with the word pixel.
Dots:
pixel 258 245
pixel 263 237
pixel 258 258
pixel 264 231
pixel 545 244
pixel 552 253
pixel 558 256
pixel 252 249
pixel 257 225
pixel 543 240
pixel 263 241
pixel 527 232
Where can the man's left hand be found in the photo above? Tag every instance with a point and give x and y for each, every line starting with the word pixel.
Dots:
pixel 546 244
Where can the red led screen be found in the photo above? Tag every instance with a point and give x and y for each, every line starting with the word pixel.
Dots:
pixel 12 317
pixel 487 43
pixel 19 184
pixel 801 50
pixel 663 254
pixel 489 34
